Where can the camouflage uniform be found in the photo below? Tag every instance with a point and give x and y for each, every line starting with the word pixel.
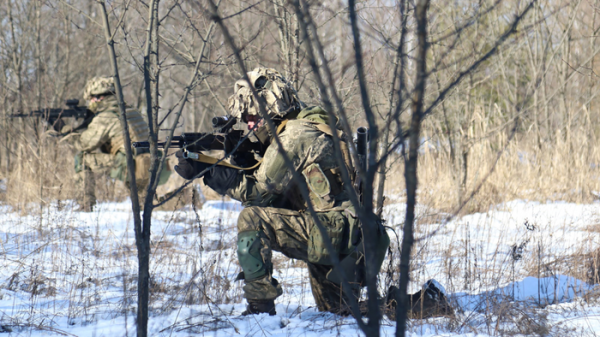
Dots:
pixel 275 216
pixel 102 149
pixel 276 210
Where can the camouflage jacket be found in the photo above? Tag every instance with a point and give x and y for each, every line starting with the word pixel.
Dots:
pixel 312 154
pixel 105 133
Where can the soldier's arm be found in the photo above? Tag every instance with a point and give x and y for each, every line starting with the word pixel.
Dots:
pixel 237 185
pixel 269 181
pixel 244 189
pixel 97 133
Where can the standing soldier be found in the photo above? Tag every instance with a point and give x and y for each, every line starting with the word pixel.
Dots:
pixel 101 146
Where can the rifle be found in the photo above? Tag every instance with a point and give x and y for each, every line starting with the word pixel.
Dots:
pixel 54 116
pixel 234 142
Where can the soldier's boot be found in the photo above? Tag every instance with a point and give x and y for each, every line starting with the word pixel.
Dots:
pixel 429 302
pixel 391 303
pixel 256 307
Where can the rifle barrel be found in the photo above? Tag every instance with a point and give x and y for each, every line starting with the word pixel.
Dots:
pixel 141 145
pixel 223 123
pixel 50 113
pixel 176 142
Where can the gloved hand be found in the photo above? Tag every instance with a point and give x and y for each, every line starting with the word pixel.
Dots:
pixel 66 129
pixel 70 138
pixel 52 133
pixel 188 168
pixel 59 129
pixel 221 178
pixel 242 159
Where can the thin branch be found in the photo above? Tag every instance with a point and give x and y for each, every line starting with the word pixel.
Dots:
pixel 82 13
pixel 510 31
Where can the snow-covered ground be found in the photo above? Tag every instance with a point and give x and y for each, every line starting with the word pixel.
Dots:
pixel 519 269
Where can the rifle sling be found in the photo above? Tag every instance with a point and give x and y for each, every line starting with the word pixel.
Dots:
pixel 212 160
pixel 343 147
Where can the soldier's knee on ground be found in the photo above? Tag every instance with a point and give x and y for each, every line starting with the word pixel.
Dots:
pixel 256 269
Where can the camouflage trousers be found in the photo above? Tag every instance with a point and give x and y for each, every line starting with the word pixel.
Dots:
pixel 86 182
pixel 290 232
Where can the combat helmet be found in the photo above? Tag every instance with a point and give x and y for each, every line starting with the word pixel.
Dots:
pixel 99 86
pixel 279 94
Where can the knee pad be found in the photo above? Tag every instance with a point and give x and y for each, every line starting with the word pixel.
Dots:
pixel 248 249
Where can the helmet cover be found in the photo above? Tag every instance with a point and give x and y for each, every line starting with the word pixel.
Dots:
pixel 99 86
pixel 278 93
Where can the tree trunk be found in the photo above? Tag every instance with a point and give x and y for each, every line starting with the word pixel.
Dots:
pixel 411 163
pixel 141 239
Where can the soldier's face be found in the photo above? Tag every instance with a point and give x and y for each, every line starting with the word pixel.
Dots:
pixel 93 104
pixel 95 99
pixel 253 121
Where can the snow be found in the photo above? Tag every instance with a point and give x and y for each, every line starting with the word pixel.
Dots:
pixel 532 290
pixel 518 269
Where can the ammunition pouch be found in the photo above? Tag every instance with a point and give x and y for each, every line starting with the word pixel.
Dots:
pixel 142 168
pixel 323 185
pixel 334 224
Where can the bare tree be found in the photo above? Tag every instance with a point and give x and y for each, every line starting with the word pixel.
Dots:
pixel 465 80
pixel 151 72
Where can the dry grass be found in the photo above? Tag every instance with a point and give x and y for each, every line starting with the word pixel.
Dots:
pixel 47 174
pixel 561 169
pixel 500 170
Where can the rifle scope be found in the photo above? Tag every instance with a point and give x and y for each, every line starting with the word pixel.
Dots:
pixel 221 121
pixel 72 102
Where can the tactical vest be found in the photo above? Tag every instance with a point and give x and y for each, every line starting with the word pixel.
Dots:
pixel 326 184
